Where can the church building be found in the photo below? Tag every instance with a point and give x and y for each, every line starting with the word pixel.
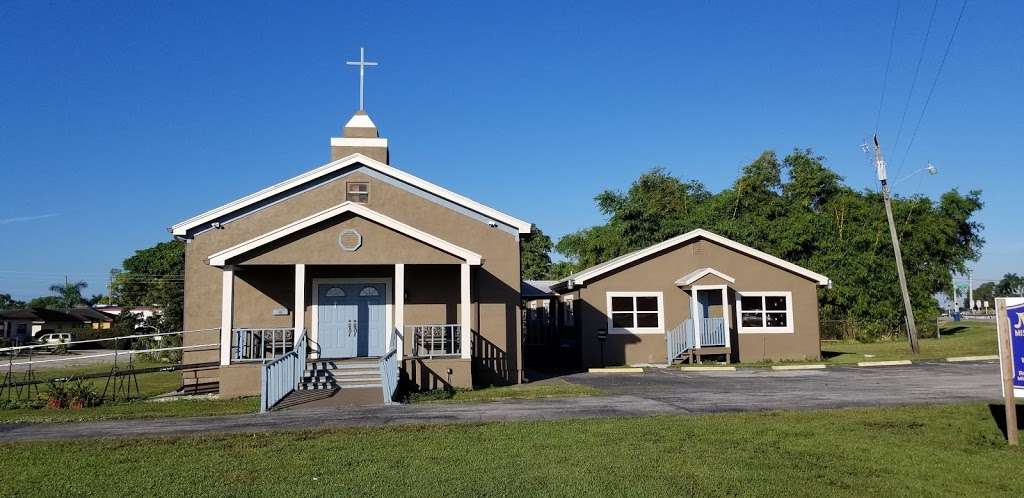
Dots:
pixel 356 258
pixel 357 277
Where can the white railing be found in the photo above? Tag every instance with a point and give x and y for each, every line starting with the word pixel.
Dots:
pixel 429 341
pixel 389 375
pixel 680 339
pixel 282 375
pixel 257 345
pixel 712 332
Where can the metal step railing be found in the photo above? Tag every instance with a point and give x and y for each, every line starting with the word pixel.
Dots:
pixel 282 375
pixel 680 339
pixel 712 332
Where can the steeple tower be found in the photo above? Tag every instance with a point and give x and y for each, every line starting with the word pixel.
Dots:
pixel 360 135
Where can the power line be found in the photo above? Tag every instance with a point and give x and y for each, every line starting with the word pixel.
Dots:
pixel 888 62
pixel 935 82
pixel 913 81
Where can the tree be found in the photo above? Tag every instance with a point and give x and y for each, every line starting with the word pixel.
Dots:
pixel 49 302
pixel 154 276
pixel 1011 285
pixel 534 254
pixel 9 303
pixel 985 292
pixel 69 294
pixel 800 210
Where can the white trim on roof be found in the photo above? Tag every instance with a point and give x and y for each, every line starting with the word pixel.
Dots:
pixel 360 121
pixel 183 227
pixel 581 277
pixel 358 142
pixel 220 258
pixel 699 273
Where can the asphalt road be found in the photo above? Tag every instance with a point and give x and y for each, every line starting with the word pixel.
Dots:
pixel 48 361
pixel 655 392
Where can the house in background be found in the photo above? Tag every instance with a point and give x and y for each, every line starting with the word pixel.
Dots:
pixel 143 312
pixel 358 258
pixel 23 325
pixel 692 296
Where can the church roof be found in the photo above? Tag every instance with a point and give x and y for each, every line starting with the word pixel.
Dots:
pixel 182 228
pixel 221 258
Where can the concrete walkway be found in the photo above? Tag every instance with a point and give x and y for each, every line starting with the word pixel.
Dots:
pixel 655 392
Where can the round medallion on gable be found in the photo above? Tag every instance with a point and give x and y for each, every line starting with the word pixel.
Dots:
pixel 350 239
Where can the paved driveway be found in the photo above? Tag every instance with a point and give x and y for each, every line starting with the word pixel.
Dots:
pixel 656 392
pixel 764 389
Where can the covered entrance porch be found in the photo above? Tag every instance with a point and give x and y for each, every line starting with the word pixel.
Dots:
pixel 707 331
pixel 352 297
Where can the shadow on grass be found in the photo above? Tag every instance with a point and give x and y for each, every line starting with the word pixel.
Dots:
pixel 954 330
pixel 828 355
pixel 999 416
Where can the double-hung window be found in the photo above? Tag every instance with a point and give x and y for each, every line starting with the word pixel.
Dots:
pixel 766 312
pixel 635 312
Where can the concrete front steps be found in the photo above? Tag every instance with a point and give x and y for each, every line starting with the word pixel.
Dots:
pixel 337 383
pixel 356 373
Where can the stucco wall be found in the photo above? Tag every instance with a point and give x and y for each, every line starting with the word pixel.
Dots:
pixel 495 284
pixel 659 272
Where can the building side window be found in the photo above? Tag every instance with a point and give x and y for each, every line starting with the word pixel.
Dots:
pixel 568 312
pixel 357 192
pixel 765 312
pixel 635 312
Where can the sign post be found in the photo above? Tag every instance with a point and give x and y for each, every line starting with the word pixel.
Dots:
pixel 1010 328
pixel 602 336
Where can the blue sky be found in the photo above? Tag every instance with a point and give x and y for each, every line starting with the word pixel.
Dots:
pixel 120 119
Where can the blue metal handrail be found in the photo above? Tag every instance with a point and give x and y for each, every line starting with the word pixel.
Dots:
pixel 712 332
pixel 282 375
pixel 389 369
pixel 389 375
pixel 680 339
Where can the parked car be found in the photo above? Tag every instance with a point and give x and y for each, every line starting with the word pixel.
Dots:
pixel 53 340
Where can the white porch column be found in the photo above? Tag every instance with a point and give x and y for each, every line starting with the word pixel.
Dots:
pixel 399 310
pixel 727 315
pixel 226 304
pixel 465 311
pixel 299 308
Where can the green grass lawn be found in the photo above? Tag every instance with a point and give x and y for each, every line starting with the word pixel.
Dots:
pixel 560 388
pixel 951 450
pixel 967 338
pixel 133 409
pixel 149 385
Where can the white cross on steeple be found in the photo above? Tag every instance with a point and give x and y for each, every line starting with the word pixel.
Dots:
pixel 362 71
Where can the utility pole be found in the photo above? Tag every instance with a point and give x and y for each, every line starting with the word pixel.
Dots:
pixel 882 177
pixel 970 290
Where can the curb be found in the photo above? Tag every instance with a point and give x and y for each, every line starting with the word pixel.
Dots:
pixel 884 363
pixel 707 369
pixel 799 367
pixel 973 358
pixel 615 370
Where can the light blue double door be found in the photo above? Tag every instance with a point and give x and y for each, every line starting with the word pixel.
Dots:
pixel 351 319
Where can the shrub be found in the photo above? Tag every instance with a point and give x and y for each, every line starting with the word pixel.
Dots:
pixel 82 395
pixel 56 394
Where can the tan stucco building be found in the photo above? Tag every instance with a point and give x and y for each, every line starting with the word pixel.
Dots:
pixel 358 272
pixel 358 258
pixel 687 298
